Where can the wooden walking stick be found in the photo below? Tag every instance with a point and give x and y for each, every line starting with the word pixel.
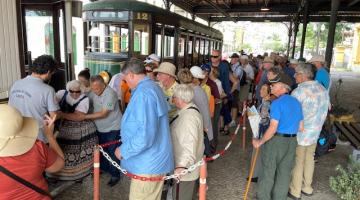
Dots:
pixel 253 163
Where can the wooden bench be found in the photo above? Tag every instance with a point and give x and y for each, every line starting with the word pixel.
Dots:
pixel 351 131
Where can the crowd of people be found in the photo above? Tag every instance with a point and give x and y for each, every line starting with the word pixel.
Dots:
pixel 165 119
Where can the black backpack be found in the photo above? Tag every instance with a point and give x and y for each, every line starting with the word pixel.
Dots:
pixel 327 140
pixel 243 78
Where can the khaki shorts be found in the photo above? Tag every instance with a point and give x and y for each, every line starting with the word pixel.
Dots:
pixel 145 190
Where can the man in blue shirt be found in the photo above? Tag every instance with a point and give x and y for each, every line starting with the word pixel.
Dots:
pixel 279 140
pixel 146 148
pixel 223 68
pixel 322 75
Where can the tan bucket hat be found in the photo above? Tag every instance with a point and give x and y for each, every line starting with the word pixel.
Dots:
pixel 268 60
pixel 17 133
pixel 167 68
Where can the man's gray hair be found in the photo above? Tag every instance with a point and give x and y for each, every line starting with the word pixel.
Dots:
pixel 97 78
pixel 275 70
pixel 306 69
pixel 75 85
pixel 135 66
pixel 286 86
pixel 184 92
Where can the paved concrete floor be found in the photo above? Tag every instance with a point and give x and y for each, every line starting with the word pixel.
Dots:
pixel 226 180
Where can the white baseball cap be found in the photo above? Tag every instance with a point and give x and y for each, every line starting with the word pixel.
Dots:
pixel 151 58
pixel 197 72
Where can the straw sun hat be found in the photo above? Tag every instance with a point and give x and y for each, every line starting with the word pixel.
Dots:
pixel 17 133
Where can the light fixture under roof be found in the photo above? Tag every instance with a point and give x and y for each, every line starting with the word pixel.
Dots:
pixel 265 7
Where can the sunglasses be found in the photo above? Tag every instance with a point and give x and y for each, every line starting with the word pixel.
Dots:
pixel 214 56
pixel 72 91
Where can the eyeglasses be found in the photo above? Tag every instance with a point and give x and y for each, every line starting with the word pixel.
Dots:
pixel 72 91
pixel 213 56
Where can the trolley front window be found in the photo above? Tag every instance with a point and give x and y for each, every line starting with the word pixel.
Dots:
pixel 141 39
pixel 108 38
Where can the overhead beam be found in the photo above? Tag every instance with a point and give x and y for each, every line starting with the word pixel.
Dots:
pixel 243 8
pixel 353 2
pixel 286 19
pixel 216 7
pixel 288 9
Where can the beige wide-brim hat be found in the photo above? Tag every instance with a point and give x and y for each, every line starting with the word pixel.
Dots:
pixel 17 133
pixel 317 58
pixel 167 68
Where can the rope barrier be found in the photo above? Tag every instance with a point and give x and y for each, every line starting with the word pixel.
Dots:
pixel 110 143
pixel 201 164
pixel 173 176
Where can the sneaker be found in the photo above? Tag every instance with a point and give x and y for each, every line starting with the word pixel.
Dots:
pixel 232 123
pixel 293 197
pixel 307 194
pixel 113 181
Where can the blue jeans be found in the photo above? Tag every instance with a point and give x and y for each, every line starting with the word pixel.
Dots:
pixel 105 165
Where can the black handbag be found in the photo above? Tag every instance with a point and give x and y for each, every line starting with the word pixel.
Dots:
pixel 24 182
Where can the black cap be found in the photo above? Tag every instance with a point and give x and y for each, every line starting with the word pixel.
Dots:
pixel 235 55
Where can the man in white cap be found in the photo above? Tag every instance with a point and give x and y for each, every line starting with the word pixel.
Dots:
pixel 244 89
pixel 202 103
pixel 151 62
pixel 152 58
pixel 166 77
pixel 322 75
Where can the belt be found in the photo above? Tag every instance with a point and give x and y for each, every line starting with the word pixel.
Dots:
pixel 285 135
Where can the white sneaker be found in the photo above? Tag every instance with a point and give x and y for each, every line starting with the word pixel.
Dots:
pixel 232 123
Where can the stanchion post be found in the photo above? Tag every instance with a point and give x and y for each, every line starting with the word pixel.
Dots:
pixel 96 173
pixel 244 126
pixel 202 181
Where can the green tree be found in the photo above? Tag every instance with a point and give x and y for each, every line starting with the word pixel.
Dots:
pixel 274 43
pixel 311 35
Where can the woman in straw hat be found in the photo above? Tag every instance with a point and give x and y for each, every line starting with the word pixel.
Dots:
pixel 25 157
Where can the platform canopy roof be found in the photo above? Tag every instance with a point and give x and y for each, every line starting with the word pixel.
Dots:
pixel 279 10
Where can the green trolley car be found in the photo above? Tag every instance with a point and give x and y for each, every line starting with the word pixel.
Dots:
pixel 117 30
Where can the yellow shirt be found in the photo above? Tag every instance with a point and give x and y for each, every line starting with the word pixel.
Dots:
pixel 207 90
pixel 168 95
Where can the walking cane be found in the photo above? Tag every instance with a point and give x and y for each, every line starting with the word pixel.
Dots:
pixel 253 163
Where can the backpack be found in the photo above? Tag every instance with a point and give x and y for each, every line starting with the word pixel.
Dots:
pixel 326 141
pixel 243 78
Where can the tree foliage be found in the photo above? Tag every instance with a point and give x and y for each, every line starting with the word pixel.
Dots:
pixel 311 35
pixel 274 43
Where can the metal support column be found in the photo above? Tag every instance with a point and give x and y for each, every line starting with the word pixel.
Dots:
pixel 305 22
pixel 290 28
pixel 331 35
pixel 70 74
pixel 162 42
pixel 131 35
pixel 176 47
pixel 296 29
